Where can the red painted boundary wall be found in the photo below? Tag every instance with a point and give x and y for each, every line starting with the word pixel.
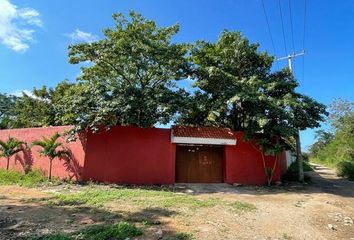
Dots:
pixel 132 155
pixel 244 163
pixel 64 168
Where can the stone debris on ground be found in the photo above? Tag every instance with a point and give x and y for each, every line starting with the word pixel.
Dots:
pixel 332 227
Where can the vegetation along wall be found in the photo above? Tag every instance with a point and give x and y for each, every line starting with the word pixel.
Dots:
pixel 132 155
pixel 69 167
pixel 244 163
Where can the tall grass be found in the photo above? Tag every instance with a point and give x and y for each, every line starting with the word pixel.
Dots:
pixel 32 179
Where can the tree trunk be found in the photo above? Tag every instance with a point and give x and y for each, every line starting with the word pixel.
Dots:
pixel 8 163
pixel 50 169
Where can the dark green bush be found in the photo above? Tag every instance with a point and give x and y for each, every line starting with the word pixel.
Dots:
pixel 346 169
pixel 293 172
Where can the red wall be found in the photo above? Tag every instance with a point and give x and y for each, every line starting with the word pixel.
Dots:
pixel 134 155
pixel 131 155
pixel 244 164
pixel 64 168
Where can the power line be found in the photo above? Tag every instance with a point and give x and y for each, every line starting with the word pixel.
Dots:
pixel 282 26
pixel 291 26
pixel 303 42
pixel 268 25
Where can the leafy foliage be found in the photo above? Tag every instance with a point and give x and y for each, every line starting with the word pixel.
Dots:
pixel 239 90
pixel 37 109
pixel 7 104
pixel 130 80
pixel 10 148
pixel 336 146
pixel 292 173
pixel 346 169
pixel 49 148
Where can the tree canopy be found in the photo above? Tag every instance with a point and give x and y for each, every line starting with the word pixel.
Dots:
pixel 131 77
pixel 334 146
pixel 238 89
pixel 39 108
pixel 7 105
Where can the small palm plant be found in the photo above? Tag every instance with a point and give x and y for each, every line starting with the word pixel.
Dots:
pixel 50 149
pixel 10 148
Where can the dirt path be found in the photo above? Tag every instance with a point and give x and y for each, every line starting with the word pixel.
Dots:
pixel 322 210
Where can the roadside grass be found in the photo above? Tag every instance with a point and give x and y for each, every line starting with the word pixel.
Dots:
pixel 148 198
pixel 243 206
pixel 118 231
pixel 344 168
pixel 292 173
pixel 32 179
pixel 181 236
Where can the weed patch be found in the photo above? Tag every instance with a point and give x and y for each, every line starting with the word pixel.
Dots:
pixel 98 196
pixel 242 206
pixel 181 236
pixel 32 179
pixel 118 231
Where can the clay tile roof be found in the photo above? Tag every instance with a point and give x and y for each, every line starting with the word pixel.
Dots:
pixel 202 132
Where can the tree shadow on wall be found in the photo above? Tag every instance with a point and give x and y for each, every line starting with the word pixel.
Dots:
pixel 72 165
pixel 25 159
pixel 83 139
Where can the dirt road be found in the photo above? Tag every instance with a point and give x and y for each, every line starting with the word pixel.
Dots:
pixel 321 210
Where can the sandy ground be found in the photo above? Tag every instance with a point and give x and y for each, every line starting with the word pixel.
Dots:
pixel 321 210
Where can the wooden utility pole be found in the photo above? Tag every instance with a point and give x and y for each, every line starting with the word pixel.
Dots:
pixel 297 137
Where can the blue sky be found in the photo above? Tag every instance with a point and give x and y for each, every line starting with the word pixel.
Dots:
pixel 34 36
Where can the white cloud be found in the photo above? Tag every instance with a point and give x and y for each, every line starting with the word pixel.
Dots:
pixel 19 93
pixel 82 36
pixel 16 25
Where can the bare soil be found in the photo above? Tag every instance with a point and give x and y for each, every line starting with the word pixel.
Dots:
pixel 323 209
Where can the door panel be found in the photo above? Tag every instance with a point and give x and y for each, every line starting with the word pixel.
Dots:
pixel 199 164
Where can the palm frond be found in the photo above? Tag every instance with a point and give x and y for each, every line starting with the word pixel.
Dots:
pixel 49 146
pixel 3 144
pixel 11 147
pixel 39 143
pixel 55 137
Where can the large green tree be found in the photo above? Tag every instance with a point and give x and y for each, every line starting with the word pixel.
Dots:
pixel 7 105
pixel 131 75
pixel 238 89
pixel 39 108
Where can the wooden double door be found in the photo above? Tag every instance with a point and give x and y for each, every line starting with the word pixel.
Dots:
pixel 199 164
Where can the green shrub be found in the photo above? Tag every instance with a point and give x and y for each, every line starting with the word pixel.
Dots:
pixel 346 169
pixel 32 179
pixel 9 177
pixel 292 173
